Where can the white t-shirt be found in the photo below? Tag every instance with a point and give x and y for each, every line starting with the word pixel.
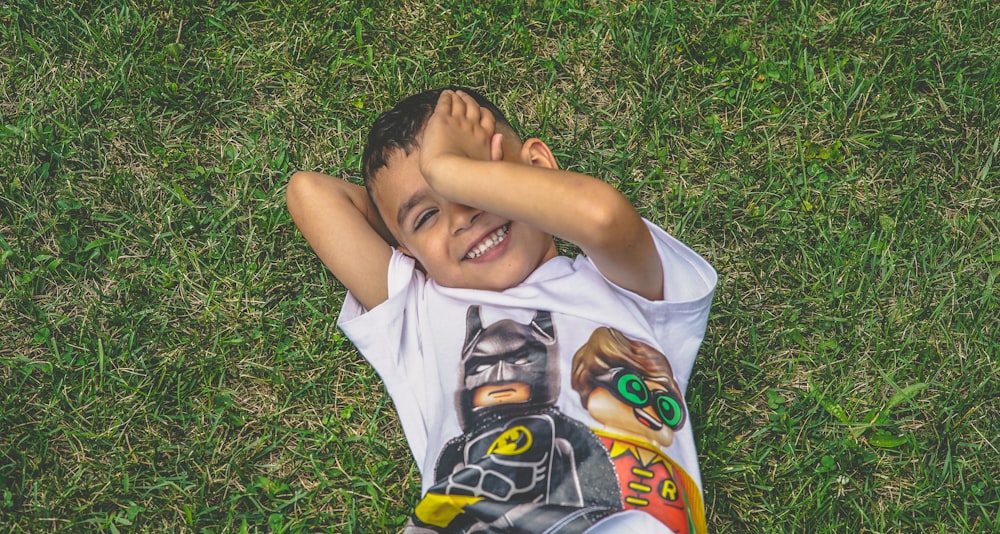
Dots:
pixel 481 379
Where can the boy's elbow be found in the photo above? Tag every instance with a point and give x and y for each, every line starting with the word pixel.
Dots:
pixel 298 187
pixel 305 189
pixel 612 219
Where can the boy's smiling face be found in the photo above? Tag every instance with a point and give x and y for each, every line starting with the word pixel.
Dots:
pixel 456 245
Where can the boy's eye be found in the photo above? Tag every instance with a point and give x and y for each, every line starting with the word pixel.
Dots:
pixel 423 218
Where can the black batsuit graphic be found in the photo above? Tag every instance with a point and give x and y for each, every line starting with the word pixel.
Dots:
pixel 520 465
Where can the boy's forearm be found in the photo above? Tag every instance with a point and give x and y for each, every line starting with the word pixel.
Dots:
pixel 341 226
pixel 572 206
pixel 363 202
pixel 465 158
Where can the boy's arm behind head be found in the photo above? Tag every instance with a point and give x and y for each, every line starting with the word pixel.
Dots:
pixel 340 224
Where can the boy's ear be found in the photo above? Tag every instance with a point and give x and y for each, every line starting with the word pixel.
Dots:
pixel 535 152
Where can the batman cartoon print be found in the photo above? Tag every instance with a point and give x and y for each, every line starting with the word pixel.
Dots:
pixel 520 465
pixel 629 387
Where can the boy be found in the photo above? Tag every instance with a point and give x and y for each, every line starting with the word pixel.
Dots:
pixel 459 299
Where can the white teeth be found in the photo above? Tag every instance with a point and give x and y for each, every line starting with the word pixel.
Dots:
pixel 488 242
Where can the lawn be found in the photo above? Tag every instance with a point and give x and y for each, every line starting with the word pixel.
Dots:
pixel 169 359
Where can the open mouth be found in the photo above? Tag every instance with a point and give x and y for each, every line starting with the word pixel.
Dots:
pixel 488 242
pixel 647 419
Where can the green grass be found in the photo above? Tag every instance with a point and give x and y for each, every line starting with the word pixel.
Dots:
pixel 168 354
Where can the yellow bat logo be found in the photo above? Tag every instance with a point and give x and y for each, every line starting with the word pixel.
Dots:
pixel 512 442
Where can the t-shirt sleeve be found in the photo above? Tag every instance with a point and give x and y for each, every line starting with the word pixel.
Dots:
pixel 378 333
pixel 687 277
pixel 386 336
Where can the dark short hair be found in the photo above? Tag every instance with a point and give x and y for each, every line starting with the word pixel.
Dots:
pixel 398 128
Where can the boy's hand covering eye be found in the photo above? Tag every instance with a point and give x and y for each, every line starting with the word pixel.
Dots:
pixel 458 128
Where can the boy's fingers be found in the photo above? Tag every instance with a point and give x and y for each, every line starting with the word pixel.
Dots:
pixel 471 106
pixel 444 103
pixel 457 105
pixel 487 120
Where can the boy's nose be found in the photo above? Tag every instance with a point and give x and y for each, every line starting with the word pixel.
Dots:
pixel 462 217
